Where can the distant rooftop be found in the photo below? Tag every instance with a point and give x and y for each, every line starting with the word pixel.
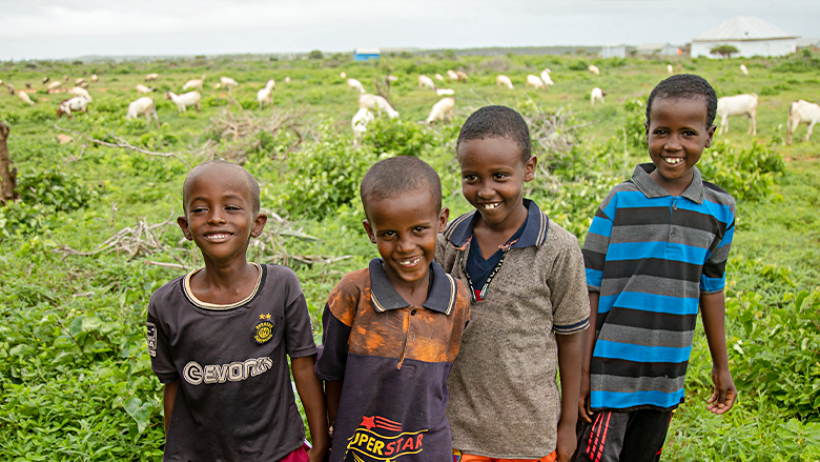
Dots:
pixel 743 28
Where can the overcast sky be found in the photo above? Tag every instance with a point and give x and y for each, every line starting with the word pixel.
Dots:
pixel 65 29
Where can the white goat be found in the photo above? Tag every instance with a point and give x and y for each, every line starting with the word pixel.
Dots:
pixel 359 123
pixel 79 81
pixel 451 75
pixel 501 79
pixel 443 110
pixel 377 103
pixel 597 94
pixel 343 74
pixel 228 83
pixel 94 78
pixel 196 83
pixel 545 77
pixel 143 89
pixel 354 84
pixel 462 76
pixel 392 78
pixel 594 69
pixel 737 105
pixel 744 70
pixel 54 87
pixel 535 82
pixel 426 82
pixel 439 77
pixel 184 100
pixel 287 79
pixel 151 77
pixel 445 91
pixel 669 69
pixel 75 104
pixel 265 95
pixel 802 112
pixel 24 96
pixel 143 106
pixel 77 91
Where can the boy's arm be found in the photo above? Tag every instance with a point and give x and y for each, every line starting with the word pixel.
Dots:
pixel 713 310
pixel 313 400
pixel 333 390
pixel 587 347
pixel 169 395
pixel 569 367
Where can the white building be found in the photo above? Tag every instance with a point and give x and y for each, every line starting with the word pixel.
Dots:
pixel 752 36
pixel 613 51
pixel 663 49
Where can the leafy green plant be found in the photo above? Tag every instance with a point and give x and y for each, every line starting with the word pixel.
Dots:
pixel 748 174
pixel 397 137
pixel 54 189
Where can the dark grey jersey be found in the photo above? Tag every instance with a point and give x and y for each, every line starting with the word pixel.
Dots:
pixel 235 399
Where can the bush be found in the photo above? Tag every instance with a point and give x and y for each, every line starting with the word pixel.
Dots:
pixel 397 137
pixel 54 189
pixel 634 128
pixel 748 175
pixel 804 61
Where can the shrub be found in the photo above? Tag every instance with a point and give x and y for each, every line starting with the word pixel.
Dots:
pixel 634 128
pixel 747 175
pixel 54 189
pixel 804 61
pixel 397 137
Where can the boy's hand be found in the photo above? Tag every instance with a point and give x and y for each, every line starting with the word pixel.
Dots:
pixel 584 413
pixel 724 393
pixel 318 454
pixel 567 442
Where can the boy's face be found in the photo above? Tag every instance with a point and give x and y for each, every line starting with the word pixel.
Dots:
pixel 220 216
pixel 404 228
pixel 677 134
pixel 493 174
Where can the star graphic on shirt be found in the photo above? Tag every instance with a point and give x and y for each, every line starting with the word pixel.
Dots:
pixel 267 316
pixel 264 316
pixel 368 422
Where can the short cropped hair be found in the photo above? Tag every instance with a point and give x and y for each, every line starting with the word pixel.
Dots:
pixel 497 122
pixel 396 175
pixel 250 181
pixel 685 86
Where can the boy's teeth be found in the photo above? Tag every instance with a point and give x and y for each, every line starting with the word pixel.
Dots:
pixel 491 206
pixel 673 160
pixel 218 236
pixel 410 262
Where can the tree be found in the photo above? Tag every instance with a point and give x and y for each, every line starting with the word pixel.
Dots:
pixel 315 54
pixel 8 176
pixel 724 50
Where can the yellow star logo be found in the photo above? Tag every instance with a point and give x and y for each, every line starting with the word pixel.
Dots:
pixel 262 316
pixel 267 316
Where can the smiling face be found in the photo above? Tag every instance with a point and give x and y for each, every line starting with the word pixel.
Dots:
pixel 493 174
pixel 404 228
pixel 220 213
pixel 677 134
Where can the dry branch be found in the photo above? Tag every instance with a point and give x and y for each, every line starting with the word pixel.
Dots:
pixel 8 175
pixel 125 145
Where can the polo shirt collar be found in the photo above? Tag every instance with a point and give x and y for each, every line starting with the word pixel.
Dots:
pixel 651 189
pixel 460 231
pixel 441 296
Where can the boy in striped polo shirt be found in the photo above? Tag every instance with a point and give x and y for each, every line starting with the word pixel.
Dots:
pixel 656 253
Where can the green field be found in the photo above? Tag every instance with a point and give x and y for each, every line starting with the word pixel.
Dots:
pixel 79 251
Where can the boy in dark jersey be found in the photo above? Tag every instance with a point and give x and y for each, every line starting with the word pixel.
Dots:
pixel 219 337
pixel 392 330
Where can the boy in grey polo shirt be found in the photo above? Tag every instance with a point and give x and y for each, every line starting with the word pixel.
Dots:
pixel 529 304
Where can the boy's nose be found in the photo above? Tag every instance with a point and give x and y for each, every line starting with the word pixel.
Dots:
pixel 216 218
pixel 405 245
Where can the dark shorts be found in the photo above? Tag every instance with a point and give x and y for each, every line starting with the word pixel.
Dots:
pixel 613 436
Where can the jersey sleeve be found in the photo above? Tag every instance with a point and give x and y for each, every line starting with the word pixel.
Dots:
pixel 570 298
pixel 337 320
pixel 713 277
pixel 158 347
pixel 596 244
pixel 298 331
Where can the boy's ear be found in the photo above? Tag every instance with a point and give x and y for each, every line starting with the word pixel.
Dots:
pixel 443 217
pixel 259 224
pixel 369 230
pixel 646 132
pixel 529 172
pixel 710 134
pixel 183 224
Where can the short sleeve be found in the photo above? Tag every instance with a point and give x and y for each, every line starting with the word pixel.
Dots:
pixel 570 298
pixel 298 331
pixel 158 347
pixel 713 277
pixel 597 243
pixel 337 320
pixel 441 252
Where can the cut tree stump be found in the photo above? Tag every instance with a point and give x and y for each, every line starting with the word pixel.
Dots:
pixel 8 175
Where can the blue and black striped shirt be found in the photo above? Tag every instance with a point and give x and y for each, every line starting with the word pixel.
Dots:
pixel 650 256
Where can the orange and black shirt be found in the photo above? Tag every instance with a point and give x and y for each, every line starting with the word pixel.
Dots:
pixel 394 359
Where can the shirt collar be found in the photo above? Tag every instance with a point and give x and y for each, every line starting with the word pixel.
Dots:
pixel 460 231
pixel 441 297
pixel 651 189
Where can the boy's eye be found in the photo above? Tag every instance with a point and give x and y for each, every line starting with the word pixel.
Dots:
pixel 470 177
pixel 660 131
pixel 388 234
pixel 198 209
pixel 500 175
pixel 419 229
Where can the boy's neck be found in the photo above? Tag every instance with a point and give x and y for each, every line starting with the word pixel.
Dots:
pixel 506 228
pixel 675 188
pixel 413 292
pixel 224 284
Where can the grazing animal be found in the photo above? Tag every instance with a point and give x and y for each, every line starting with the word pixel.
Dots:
pixel 75 104
pixel 802 112
pixel 744 70
pixel 143 89
pixel 594 69
pixel 54 87
pixel 143 106
pixel 79 81
pixel 669 69
pixel 545 77
pixel 184 100
pixel 445 91
pixel 228 83
pixel 451 75
pixel 265 95
pixel 28 85
pixel 679 68
pixel 45 80
pixel 461 76
pixel 535 82
pixel 392 78
pixel 354 84
pixel 439 77
pixel 426 82
pixel 597 94
pixel 377 103
pixel 359 123
pixel 287 79
pixel 151 77
pixel 94 78
pixel 442 110
pixel 196 83
pixel 24 96
pixel 737 105
pixel 65 78
pixel 11 89
pixel 501 79
pixel 343 74
pixel 77 91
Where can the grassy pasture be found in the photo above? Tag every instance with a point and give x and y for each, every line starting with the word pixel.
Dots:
pixel 75 380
